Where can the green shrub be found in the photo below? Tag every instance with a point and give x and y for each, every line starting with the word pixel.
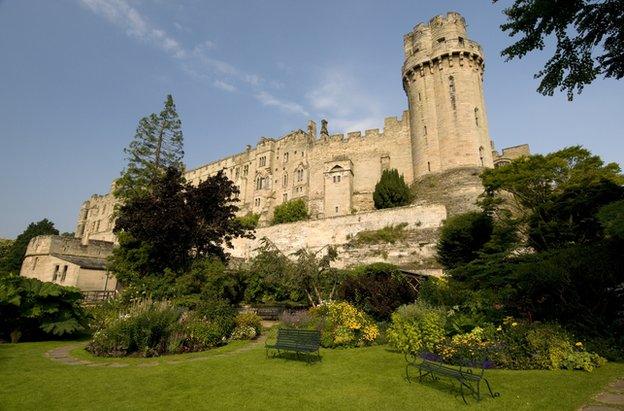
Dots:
pixel 378 289
pixel 343 325
pixel 31 309
pixel 473 348
pixel 583 360
pixel 389 234
pixel 145 329
pixel 249 221
pixel 416 328
pixel 197 334
pixel 461 237
pixel 522 345
pixel 248 326
pixel 290 211
pixel 150 328
pixel 218 312
pixel 391 190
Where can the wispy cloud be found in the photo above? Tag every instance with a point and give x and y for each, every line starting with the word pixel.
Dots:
pixel 197 62
pixel 341 100
pixel 224 86
pixel 135 25
pixel 267 99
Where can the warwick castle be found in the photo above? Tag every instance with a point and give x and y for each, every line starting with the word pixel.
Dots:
pixel 439 144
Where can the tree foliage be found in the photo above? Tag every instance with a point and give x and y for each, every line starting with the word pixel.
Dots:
pixel 562 212
pixel 589 37
pixel 11 261
pixel 31 309
pixel 462 237
pixel 157 145
pixel 611 218
pixel 173 223
pixel 391 190
pixel 272 276
pixel 378 289
pixel 553 198
pixel 290 211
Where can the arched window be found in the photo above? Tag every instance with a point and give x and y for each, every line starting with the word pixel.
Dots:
pixel 476 111
pixel 452 91
pixel 285 180
pixel 481 152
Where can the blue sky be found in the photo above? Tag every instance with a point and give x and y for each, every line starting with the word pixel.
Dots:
pixel 76 76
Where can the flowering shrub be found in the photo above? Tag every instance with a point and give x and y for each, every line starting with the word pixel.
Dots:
pixel 145 329
pixel 248 326
pixel 296 318
pixel 519 345
pixel 149 328
pixel 343 325
pixel 472 349
pixel 416 328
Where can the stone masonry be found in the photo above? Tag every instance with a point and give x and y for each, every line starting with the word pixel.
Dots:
pixel 440 145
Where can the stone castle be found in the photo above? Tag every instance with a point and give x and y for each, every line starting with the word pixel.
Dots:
pixel 443 135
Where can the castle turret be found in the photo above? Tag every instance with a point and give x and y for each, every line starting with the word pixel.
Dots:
pixel 443 80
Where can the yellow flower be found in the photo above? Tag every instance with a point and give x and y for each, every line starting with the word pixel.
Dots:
pixel 514 324
pixel 579 344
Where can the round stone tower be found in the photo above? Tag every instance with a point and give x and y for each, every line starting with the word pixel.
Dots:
pixel 443 80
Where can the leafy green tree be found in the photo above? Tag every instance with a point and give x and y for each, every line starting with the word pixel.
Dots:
pixel 462 237
pixel 552 199
pixel 589 40
pixel 391 190
pixel 5 246
pixel 611 217
pixel 173 224
pixel 314 275
pixel 14 255
pixel 268 276
pixel 290 211
pixel 31 309
pixel 157 145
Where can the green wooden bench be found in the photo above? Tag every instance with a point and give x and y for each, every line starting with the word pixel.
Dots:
pixel 298 341
pixel 467 378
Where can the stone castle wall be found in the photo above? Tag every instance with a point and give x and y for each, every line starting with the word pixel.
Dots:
pixel 440 144
pixel 423 223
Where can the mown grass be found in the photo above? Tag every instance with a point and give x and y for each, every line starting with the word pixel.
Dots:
pixel 362 379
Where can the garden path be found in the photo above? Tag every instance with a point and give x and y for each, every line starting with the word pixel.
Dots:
pixel 63 355
pixel 611 399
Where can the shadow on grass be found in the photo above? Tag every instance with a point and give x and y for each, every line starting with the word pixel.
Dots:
pixel 293 356
pixel 447 385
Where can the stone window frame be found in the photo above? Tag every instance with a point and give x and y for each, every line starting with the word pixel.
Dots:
pixel 262 161
pixel 56 271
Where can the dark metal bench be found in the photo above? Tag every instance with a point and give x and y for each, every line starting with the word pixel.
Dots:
pixel 466 377
pixel 298 341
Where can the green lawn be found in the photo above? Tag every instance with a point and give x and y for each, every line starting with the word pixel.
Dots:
pixel 234 377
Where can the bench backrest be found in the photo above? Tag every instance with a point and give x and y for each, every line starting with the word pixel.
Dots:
pixel 298 337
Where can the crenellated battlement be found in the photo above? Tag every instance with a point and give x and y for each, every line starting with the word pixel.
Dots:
pixel 444 129
pixel 439 43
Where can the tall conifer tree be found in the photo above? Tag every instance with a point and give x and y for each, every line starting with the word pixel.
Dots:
pixel 157 145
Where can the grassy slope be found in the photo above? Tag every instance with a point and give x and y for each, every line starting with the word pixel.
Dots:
pixel 365 378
